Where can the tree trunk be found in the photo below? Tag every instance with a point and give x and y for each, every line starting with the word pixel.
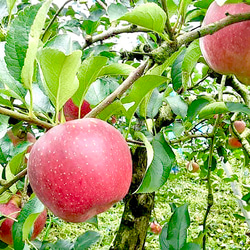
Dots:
pixel 135 219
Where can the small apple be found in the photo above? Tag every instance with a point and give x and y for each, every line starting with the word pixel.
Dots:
pixel 71 110
pixel 23 137
pixel 192 167
pixel 227 50
pixel 155 227
pixel 80 168
pixel 240 126
pixel 234 142
pixel 12 209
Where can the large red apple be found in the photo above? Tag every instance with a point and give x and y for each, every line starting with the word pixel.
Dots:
pixel 80 168
pixel 71 110
pixel 12 209
pixel 227 50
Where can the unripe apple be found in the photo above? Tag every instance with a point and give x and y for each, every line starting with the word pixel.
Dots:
pixel 192 167
pixel 234 142
pixel 12 210
pixel 71 110
pixel 227 50
pixel 155 228
pixel 80 168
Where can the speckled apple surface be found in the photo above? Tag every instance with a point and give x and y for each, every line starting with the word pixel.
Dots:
pixel 227 51
pixel 80 168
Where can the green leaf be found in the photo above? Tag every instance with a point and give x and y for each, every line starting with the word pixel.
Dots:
pixel 59 73
pixel 148 15
pixel 17 90
pixel 87 74
pixel 178 106
pixel 238 107
pixel 191 57
pixel 116 69
pixel 160 167
pixel 11 5
pixel 100 89
pixel 139 90
pixel 28 224
pixel 33 206
pixel 212 109
pixel 64 43
pixel 16 163
pixel 115 11
pixel 115 108
pixel 35 32
pixel 17 40
pixel 195 107
pixel 176 72
pixel 86 240
pixel 178 129
pixel 191 246
pixel 4 123
pixel 174 235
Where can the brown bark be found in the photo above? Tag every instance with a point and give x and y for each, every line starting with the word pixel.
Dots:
pixel 135 220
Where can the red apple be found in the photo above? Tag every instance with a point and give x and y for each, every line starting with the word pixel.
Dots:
pixel 240 126
pixel 155 228
pixel 16 140
pixel 227 50
pixel 12 209
pixel 80 168
pixel 192 167
pixel 71 110
pixel 234 142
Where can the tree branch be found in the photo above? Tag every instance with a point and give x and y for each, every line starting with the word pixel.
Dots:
pixel 22 117
pixel 112 32
pixel 137 73
pixel 8 184
pixel 189 137
pixel 167 49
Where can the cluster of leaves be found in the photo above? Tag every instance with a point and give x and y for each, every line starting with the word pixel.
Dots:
pixel 42 67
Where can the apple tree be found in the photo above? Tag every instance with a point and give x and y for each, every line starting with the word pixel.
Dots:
pixel 180 86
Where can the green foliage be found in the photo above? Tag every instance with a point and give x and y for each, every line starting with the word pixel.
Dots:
pixel 148 15
pixel 160 164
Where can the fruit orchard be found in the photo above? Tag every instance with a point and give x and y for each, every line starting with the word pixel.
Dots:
pixel 104 103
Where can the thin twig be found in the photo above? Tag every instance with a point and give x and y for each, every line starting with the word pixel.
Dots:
pixel 8 184
pixel 102 4
pixel 22 117
pixel 113 31
pixel 55 16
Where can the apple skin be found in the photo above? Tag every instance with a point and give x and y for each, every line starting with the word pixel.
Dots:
pixel 240 126
pixel 227 50
pixel 234 142
pixel 193 167
pixel 12 209
pixel 71 110
pixel 155 228
pixel 80 168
